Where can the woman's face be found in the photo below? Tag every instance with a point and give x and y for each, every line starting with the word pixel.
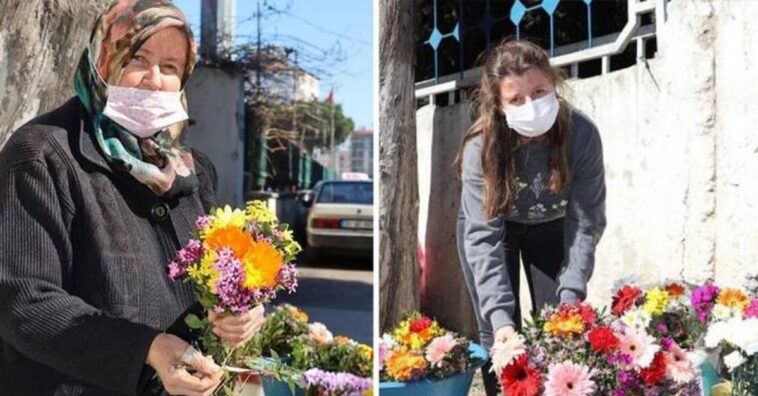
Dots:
pixel 517 90
pixel 159 64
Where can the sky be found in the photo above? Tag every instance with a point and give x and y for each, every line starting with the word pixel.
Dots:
pixel 336 26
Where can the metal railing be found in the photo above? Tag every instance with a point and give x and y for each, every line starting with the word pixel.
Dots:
pixel 569 56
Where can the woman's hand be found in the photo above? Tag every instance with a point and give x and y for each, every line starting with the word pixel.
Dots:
pixel 504 333
pixel 236 330
pixel 167 356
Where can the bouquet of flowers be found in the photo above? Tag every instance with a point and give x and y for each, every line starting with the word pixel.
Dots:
pixel 286 323
pixel 575 350
pixel 420 348
pixel 333 365
pixel 308 356
pixel 732 333
pixel 237 259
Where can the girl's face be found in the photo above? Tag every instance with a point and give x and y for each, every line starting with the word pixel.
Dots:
pixel 159 63
pixel 517 90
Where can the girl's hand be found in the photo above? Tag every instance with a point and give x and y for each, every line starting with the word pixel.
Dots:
pixel 504 333
pixel 237 330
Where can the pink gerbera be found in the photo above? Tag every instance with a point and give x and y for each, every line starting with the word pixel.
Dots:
pixel 439 348
pixel 569 379
pixel 640 347
pixel 678 365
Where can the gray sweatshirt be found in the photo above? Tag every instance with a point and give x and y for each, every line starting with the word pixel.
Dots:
pixel 581 204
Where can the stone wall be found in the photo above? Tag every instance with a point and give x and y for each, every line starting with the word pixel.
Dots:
pixel 681 158
pixel 40 44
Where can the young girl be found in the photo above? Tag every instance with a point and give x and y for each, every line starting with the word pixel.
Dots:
pixel 533 188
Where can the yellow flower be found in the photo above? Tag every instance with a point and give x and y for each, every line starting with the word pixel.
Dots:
pixel 733 298
pixel 203 274
pixel 402 363
pixel 287 235
pixel 261 265
pixel 258 211
pixel 565 324
pixel 655 301
pixel 419 339
pixel 298 314
pixel 366 352
pixel 227 217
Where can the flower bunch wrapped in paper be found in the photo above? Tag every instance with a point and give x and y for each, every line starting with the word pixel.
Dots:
pixel 237 259
pixel 575 350
pixel 732 333
pixel 419 348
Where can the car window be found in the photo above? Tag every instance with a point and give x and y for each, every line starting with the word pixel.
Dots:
pixel 347 193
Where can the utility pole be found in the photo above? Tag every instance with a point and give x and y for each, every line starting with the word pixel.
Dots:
pixel 334 156
pixel 262 144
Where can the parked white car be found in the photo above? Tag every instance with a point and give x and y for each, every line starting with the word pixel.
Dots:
pixel 341 217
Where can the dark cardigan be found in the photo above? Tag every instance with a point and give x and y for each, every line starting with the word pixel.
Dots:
pixel 83 252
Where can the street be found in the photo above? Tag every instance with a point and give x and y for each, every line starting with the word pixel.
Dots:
pixel 338 292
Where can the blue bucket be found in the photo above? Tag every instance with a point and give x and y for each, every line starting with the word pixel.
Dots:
pixel 457 385
pixel 708 378
pixel 274 387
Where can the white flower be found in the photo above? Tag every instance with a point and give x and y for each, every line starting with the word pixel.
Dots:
pixel 319 333
pixel 504 352
pixel 637 319
pixel 722 312
pixel 733 360
pixel 640 346
pixel 388 341
pixel 745 335
pixel 717 332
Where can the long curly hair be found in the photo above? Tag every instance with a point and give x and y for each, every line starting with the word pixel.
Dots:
pixel 499 142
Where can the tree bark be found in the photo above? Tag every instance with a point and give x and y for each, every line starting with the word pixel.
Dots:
pixel 398 209
pixel 40 45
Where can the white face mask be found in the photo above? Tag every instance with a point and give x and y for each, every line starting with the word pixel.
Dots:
pixel 535 117
pixel 144 112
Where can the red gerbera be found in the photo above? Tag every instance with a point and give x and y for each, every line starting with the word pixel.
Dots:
pixel 519 379
pixel 654 373
pixel 589 316
pixel 675 290
pixel 420 324
pixel 625 299
pixel 603 340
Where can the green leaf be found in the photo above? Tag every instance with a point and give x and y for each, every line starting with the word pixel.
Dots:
pixel 193 322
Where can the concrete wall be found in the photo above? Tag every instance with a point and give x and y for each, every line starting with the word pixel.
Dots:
pixel 216 100
pixel 681 157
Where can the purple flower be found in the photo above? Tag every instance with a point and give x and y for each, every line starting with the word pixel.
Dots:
pixel 232 295
pixel 752 310
pixel 667 343
pixel 175 270
pixel 190 253
pixel 703 299
pixel 202 222
pixel 288 277
pixel 335 384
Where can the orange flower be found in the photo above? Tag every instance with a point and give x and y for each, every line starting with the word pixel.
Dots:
pixel 230 237
pixel 341 340
pixel 733 298
pixel 299 315
pixel 565 324
pixel 261 265
pixel 675 290
pixel 404 365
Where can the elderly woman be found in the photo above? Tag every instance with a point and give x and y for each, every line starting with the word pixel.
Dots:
pixel 95 199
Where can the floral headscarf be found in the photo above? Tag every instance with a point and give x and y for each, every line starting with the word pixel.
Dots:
pixel 157 162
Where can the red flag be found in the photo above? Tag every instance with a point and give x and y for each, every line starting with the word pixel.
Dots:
pixel 330 98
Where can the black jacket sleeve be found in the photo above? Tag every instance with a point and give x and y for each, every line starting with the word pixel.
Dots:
pixel 38 317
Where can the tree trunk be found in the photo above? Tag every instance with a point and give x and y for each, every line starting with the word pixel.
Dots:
pixel 398 208
pixel 40 45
